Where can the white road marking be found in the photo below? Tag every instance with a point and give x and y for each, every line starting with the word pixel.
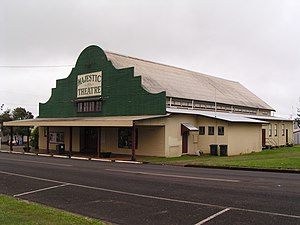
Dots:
pixel 61 156
pixel 101 160
pixel 32 161
pixel 152 197
pixel 171 175
pixel 31 177
pixel 39 190
pixel 17 152
pixel 213 216
pixel 46 155
pixel 29 153
pixel 76 157
pixel 130 162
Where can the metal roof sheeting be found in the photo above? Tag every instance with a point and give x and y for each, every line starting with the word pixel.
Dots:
pixel 190 127
pixel 181 83
pixel 229 117
pixel 112 121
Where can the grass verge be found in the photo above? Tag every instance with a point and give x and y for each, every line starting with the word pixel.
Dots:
pixel 14 211
pixel 280 158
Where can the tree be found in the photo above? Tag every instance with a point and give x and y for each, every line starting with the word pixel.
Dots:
pixel 34 138
pixel 18 113
pixel 4 117
pixel 297 120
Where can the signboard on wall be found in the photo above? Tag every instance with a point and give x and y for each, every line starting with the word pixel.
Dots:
pixel 89 85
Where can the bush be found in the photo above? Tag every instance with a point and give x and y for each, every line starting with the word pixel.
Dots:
pixel 34 138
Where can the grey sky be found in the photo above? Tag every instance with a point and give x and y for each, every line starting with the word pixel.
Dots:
pixel 255 42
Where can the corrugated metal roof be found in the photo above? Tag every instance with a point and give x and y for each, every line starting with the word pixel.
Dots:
pixel 112 121
pixel 274 118
pixel 229 117
pixel 190 127
pixel 181 83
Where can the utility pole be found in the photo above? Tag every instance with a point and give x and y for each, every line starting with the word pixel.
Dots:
pixel 1 124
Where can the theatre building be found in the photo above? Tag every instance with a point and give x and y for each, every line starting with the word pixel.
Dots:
pixel 124 105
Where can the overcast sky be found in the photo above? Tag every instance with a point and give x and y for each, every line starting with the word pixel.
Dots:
pixel 254 42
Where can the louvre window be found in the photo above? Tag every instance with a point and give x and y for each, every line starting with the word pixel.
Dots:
pixel 275 130
pixel 211 130
pixel 221 130
pixel 201 130
pixel 89 106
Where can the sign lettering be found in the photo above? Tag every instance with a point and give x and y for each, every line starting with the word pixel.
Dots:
pixel 89 84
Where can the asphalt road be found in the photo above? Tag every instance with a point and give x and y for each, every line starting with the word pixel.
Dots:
pixel 152 194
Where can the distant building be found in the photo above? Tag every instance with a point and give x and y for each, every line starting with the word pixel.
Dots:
pixel 296 132
pixel 124 105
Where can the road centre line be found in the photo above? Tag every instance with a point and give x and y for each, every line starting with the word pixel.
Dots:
pixel 213 216
pixel 32 161
pixel 152 197
pixel 39 190
pixel 171 175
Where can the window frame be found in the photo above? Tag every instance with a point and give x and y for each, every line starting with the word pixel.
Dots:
pixel 221 130
pixel 283 129
pixel 211 130
pixel 201 130
pixel 125 138
pixel 89 106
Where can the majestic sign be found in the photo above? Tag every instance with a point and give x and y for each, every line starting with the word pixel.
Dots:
pixel 89 84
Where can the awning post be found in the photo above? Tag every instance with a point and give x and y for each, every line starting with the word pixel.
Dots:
pixel 28 138
pixel 98 141
pixel 11 139
pixel 48 136
pixel 133 158
pixel 71 140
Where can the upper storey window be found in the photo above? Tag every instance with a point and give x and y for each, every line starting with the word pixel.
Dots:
pixel 89 106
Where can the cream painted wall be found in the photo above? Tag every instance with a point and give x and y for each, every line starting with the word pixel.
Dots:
pixel 244 138
pixel 66 131
pixel 280 139
pixel 206 140
pixel 151 141
pixel 173 142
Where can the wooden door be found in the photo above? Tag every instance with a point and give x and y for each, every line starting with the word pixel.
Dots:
pixel 264 137
pixel 89 140
pixel 185 138
pixel 287 136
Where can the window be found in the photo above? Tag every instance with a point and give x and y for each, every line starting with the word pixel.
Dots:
pixel 275 130
pixel 270 130
pixel 211 130
pixel 220 130
pixel 89 106
pixel 282 129
pixel 201 130
pixel 125 137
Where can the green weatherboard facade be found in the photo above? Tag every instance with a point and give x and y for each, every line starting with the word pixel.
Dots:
pixel 122 94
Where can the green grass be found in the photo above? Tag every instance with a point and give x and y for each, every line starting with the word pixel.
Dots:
pixel 13 211
pixel 287 158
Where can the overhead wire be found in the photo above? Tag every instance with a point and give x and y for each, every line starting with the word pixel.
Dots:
pixel 33 66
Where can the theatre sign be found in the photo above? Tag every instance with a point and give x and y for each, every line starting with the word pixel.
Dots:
pixel 89 85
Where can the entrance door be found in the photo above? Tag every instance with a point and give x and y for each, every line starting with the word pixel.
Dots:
pixel 185 138
pixel 287 137
pixel 264 137
pixel 89 140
